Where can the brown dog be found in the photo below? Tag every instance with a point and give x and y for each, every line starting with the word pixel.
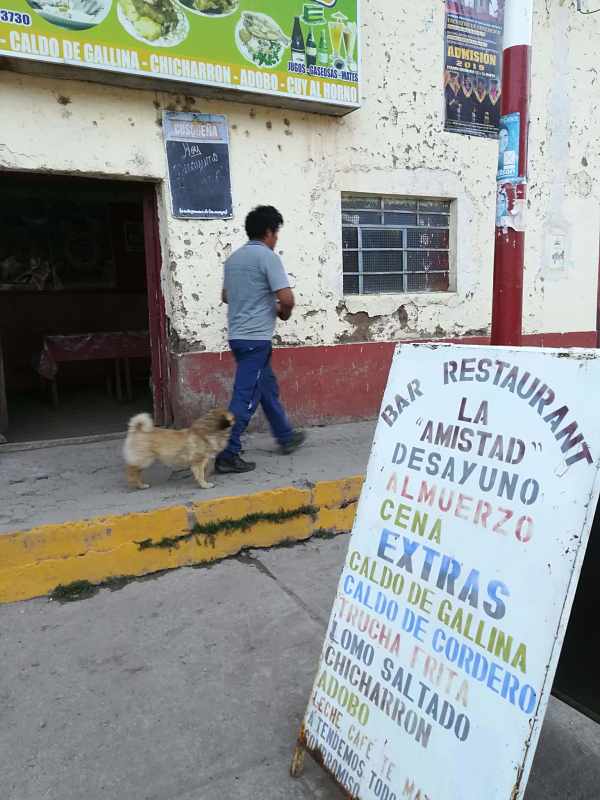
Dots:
pixel 191 447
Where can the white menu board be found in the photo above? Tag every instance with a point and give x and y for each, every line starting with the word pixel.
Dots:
pixel 451 609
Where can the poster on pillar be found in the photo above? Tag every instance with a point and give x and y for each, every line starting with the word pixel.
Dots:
pixel 509 135
pixel 510 183
pixel 447 625
pixel 473 65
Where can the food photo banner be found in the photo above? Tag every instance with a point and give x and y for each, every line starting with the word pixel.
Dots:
pixel 451 609
pixel 307 51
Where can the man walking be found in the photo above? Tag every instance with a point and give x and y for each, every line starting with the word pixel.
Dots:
pixel 257 291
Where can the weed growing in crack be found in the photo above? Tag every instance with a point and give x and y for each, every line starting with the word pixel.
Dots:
pixel 211 529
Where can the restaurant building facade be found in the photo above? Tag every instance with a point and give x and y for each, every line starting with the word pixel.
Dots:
pixel 389 218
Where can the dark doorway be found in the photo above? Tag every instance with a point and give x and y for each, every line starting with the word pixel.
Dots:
pixel 576 679
pixel 81 314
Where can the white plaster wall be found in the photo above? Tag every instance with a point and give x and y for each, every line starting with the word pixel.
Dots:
pixel 301 162
pixel 564 169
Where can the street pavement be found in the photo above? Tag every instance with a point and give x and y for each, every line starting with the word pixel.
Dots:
pixel 191 686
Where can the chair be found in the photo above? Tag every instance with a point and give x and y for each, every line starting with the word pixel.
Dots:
pixel 3 402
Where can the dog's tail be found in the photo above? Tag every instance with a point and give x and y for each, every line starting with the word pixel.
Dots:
pixel 141 423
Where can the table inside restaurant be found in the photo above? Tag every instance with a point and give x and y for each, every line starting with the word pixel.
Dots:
pixel 118 346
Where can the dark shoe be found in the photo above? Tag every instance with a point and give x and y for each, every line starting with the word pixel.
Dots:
pixel 297 440
pixel 235 464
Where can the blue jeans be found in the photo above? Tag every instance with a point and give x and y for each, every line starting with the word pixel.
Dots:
pixel 255 383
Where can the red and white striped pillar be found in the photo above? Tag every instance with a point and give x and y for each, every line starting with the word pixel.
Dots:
pixel 507 308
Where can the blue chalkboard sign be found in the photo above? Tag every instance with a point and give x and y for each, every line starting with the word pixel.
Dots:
pixel 198 162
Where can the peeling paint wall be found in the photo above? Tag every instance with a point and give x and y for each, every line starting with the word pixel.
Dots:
pixel 302 163
pixel 565 168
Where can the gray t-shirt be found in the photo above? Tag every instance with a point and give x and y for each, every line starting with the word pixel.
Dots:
pixel 252 276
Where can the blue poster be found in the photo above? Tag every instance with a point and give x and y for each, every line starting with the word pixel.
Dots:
pixel 508 153
pixel 501 208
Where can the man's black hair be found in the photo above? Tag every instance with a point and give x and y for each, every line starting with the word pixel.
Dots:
pixel 263 219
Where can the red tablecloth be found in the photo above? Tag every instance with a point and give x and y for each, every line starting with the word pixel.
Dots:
pixel 91 347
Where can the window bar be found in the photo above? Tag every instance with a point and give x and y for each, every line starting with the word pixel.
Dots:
pixel 426 223
pixel 404 266
pixel 360 261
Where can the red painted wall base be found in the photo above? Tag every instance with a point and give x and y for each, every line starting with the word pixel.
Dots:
pixel 318 385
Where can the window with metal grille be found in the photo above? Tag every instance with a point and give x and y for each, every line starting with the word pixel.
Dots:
pixel 394 245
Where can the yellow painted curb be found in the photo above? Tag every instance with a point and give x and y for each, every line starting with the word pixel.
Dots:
pixel 34 563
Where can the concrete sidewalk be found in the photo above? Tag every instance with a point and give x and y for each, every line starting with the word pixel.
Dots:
pixel 192 685
pixel 76 482
pixel 67 516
